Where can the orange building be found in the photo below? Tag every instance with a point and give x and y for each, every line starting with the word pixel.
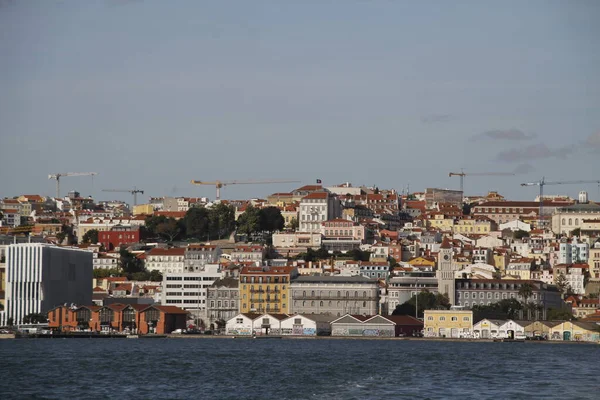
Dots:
pixel 131 318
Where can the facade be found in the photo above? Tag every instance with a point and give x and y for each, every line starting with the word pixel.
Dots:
pixel 188 290
pixel 376 326
pixel 342 235
pixel 198 255
pixel 573 251
pixel 446 269
pixel 40 276
pixel 334 295
pixel 254 253
pixel 375 269
pixel 223 301
pixel 103 261
pixel 470 292
pixel 576 331
pixel 166 260
pixel 487 328
pixel 520 268
pixel 266 289
pixel 119 235
pixel 503 212
pixel 474 225
pixel 403 288
pixel 435 196
pixel 566 219
pixel 448 323
pixel 594 261
pixel 316 208
pixel 131 318
pixel 307 325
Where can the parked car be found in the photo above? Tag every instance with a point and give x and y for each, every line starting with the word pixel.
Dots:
pixel 178 331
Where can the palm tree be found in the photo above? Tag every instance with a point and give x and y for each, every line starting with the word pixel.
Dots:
pixel 526 291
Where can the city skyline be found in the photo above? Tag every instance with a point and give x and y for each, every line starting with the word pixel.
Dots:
pixel 152 95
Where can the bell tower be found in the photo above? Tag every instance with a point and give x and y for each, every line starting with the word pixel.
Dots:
pixel 445 272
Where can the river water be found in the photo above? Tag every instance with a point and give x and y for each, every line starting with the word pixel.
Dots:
pixel 295 369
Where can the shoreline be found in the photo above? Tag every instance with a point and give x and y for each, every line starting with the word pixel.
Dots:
pixel 435 339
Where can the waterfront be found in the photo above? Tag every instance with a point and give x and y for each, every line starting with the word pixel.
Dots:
pixel 294 369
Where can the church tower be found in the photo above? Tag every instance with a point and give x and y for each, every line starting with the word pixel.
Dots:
pixel 445 272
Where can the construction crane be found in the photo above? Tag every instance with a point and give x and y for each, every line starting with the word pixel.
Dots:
pixel 462 175
pixel 133 191
pixel 542 182
pixel 220 184
pixel 65 174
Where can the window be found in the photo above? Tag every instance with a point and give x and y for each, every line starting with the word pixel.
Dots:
pixel 239 320
pixel 430 318
pixel 442 318
pixel 454 319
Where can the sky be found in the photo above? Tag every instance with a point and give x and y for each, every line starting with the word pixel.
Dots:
pixel 388 93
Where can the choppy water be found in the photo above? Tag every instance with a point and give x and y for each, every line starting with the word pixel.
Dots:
pixel 295 369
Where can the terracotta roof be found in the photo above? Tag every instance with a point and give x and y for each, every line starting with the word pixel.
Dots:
pixel 168 309
pixel 173 251
pixel 316 195
pixel 309 188
pixel 446 244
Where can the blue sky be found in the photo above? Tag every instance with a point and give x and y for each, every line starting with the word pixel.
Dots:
pixel 381 92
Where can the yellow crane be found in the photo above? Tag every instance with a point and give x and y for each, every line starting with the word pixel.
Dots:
pixel 57 176
pixel 220 184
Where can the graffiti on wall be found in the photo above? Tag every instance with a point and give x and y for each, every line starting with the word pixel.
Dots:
pixel 239 331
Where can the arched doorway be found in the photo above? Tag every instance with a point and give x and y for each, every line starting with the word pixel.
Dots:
pixel 566 335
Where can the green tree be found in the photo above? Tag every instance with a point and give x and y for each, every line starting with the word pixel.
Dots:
pixel 526 291
pixel 562 284
pixel 91 236
pixel 169 229
pixel 393 263
pixel 105 273
pixel 155 276
pixel 404 309
pixel 221 220
pixel 294 224
pixel 520 234
pixel 130 263
pixel 151 222
pixel 10 321
pixel 61 236
pixel 271 219
pixel 249 221
pixel 140 276
pixel 576 232
pixel 559 315
pixel 196 222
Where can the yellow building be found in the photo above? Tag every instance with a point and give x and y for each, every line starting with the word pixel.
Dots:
pixel 265 290
pixel 440 221
pixel 422 262
pixel 142 209
pixel 474 225
pixel 500 260
pixel 448 323
pixel 594 261
pixel 578 331
pixel 540 328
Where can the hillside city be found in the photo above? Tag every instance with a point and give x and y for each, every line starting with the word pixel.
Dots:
pixel 318 260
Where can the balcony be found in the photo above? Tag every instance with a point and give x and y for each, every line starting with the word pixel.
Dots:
pixel 349 298
pixel 257 291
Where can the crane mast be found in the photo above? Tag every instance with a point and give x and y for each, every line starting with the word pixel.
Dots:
pixel 219 184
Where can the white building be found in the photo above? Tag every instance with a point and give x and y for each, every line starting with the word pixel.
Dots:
pixel 41 276
pixel 105 261
pixel 487 328
pixel 574 252
pixel 188 290
pixel 254 253
pixel 197 255
pixel 566 219
pixel 166 260
pixel 515 225
pixel 316 208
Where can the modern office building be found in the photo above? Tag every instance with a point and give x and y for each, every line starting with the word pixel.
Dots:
pixel 42 276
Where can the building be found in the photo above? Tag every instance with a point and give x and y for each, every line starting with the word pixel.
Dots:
pixel 487 328
pixel 402 288
pixel 448 323
pixel 316 208
pixel 307 325
pixel 376 326
pixel 188 290
pixel 566 219
pixel 573 251
pixel 118 236
pixel 40 277
pixel 446 269
pixel 594 261
pixel 131 318
pixel 166 260
pixel 435 196
pixel 266 289
pixel 197 255
pixel 342 234
pixel 474 225
pixel 520 268
pixel 223 301
pixel 470 292
pixel 575 275
pixel 503 212
pixel 575 330
pixel 334 295
pixel 253 253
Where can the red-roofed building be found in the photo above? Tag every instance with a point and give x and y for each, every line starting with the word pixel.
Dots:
pixel 118 236
pixel 316 208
